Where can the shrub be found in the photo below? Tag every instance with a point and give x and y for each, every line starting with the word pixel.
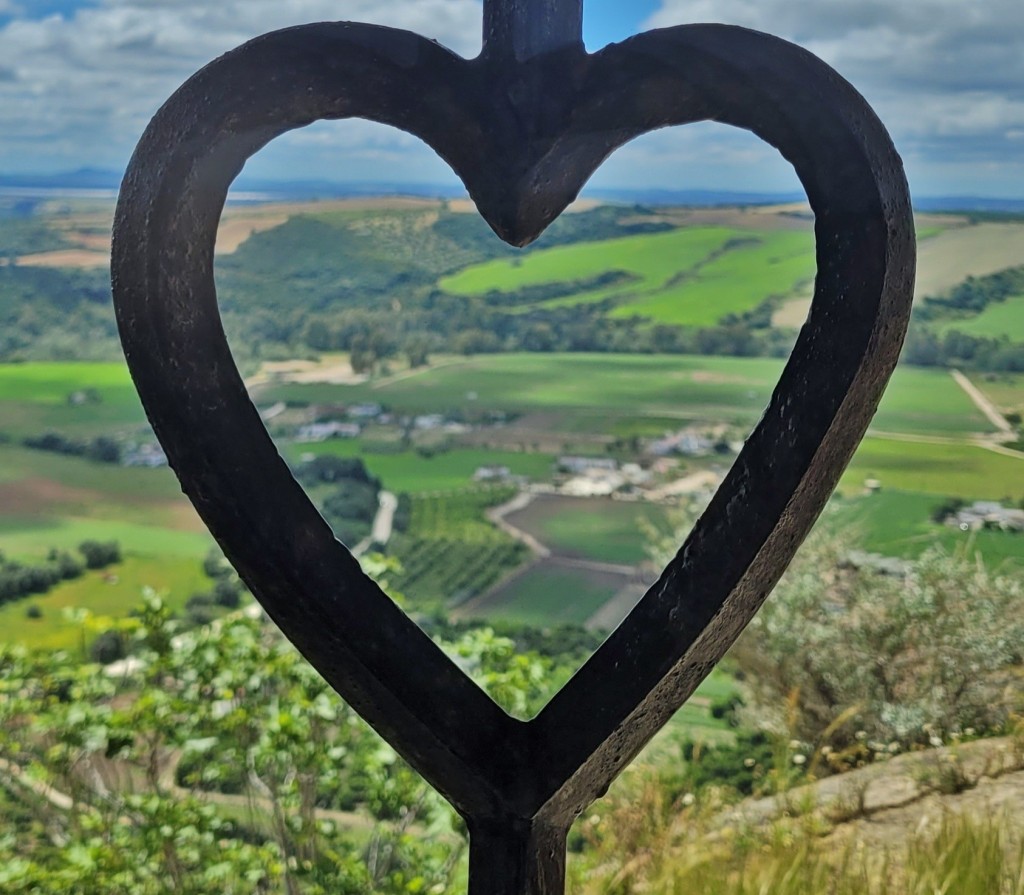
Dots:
pixel 108 647
pixel 100 554
pixel 907 659
pixel 33 611
pixel 227 593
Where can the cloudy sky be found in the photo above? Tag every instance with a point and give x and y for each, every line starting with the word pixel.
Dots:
pixel 79 79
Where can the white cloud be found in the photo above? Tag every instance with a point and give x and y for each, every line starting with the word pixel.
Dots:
pixel 947 77
pixel 80 90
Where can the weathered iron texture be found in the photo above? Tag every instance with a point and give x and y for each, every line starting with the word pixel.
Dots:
pixel 524 125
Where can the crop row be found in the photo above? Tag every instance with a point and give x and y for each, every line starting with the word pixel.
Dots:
pixel 453 571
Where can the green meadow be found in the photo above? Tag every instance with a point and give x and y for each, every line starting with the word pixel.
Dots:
pixel 414 473
pixel 732 283
pixel 549 595
pixel 36 397
pixel 612 531
pixel 943 469
pixel 681 387
pixel 899 523
pixel 691 276
pixel 999 319
pixel 1005 390
pixel 107 595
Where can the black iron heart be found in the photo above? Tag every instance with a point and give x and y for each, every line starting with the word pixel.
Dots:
pixel 524 137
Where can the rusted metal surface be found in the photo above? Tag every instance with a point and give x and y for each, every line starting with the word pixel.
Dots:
pixel 524 125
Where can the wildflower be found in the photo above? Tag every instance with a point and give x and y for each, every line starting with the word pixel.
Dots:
pixel 749 762
pixel 689 799
pixel 799 759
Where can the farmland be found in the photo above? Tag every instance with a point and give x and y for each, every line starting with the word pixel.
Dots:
pixel 1005 318
pixel 583 386
pixel 688 277
pixel 953 469
pixel 899 523
pixel 298 281
pixel 601 530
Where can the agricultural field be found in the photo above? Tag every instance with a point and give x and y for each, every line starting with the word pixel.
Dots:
pixel 108 595
pixel 80 399
pixel 949 469
pixel 450 554
pixel 1005 390
pixel 688 277
pixel 946 259
pixel 610 531
pixel 415 473
pixel 1004 318
pixel 899 523
pixel 549 593
pixel 682 267
pixel 579 387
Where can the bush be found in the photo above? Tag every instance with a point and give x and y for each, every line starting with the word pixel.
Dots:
pixel 227 593
pixel 33 611
pixel 108 647
pixel 100 554
pixel 899 659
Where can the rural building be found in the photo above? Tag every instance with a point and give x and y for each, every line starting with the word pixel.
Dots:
pixel 323 431
pixel 988 514
pixel 365 411
pixel 685 441
pixel 579 465
pixel 492 474
pixel 150 455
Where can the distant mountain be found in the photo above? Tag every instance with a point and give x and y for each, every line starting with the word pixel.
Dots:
pixel 266 189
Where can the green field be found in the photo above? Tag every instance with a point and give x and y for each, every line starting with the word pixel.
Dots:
pixel 716 389
pixel 921 401
pixel 108 595
pixel 40 491
pixel 611 531
pixel 899 523
pixel 413 473
pixel 690 276
pixel 999 319
pixel 34 398
pixel 733 283
pixel 946 470
pixel 1005 390
pixel 550 595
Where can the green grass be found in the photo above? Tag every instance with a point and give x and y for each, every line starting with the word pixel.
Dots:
pixel 653 258
pixel 733 283
pixel 716 389
pixel 690 276
pixel 545 596
pixel 899 523
pixel 1005 390
pixel 34 399
pixel 446 471
pixel 1003 318
pixel 108 594
pixel 571 384
pixel 948 470
pixel 26 538
pixel 42 493
pixel 602 530
pixel 927 401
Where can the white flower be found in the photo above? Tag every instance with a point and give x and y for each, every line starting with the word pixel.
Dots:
pixel 799 759
pixel 935 741
pixel 748 762
pixel 689 799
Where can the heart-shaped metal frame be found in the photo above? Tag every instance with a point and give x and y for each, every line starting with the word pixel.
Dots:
pixel 524 132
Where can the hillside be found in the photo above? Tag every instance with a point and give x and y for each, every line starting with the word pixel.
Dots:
pixel 413 277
